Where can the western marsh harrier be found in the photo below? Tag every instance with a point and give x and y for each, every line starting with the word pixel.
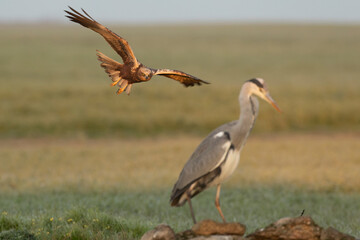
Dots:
pixel 131 71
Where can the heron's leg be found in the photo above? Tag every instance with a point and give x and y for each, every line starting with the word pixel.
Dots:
pixel 191 209
pixel 217 202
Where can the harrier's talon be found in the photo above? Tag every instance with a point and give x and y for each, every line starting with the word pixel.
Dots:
pixel 116 82
pixel 123 86
pixel 119 91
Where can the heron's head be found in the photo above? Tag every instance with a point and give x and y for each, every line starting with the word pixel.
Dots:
pixel 257 87
pixel 144 73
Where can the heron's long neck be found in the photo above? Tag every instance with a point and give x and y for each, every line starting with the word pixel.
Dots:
pixel 249 107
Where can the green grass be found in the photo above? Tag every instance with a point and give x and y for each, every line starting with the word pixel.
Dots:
pixel 51 83
pixel 108 215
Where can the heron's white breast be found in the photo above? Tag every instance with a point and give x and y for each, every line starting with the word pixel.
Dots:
pixel 228 168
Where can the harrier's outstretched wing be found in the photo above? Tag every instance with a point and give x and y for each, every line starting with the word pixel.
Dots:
pixel 120 45
pixel 184 78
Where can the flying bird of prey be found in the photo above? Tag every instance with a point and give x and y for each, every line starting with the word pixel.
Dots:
pixel 131 71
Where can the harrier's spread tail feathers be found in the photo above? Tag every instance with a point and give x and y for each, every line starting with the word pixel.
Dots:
pixel 112 68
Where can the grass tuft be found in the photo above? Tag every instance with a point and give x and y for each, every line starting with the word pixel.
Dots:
pixel 14 234
pixel 8 223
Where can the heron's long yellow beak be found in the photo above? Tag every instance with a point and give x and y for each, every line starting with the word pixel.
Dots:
pixel 269 99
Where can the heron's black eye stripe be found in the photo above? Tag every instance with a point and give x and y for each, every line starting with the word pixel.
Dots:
pixel 256 82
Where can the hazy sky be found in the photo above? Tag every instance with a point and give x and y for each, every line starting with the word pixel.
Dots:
pixel 169 11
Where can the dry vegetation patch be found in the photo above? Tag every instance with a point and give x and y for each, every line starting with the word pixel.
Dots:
pixel 312 161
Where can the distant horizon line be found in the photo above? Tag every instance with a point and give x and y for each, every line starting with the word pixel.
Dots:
pixel 188 22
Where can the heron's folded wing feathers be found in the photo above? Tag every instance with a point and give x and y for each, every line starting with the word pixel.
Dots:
pixel 208 155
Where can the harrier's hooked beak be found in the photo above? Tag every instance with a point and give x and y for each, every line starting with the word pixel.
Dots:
pixel 269 99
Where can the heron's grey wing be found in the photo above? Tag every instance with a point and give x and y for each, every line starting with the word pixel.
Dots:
pixel 120 45
pixel 207 156
pixel 184 78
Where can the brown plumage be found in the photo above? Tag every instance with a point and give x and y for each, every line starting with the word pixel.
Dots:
pixel 131 71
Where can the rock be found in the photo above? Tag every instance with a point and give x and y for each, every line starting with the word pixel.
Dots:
pixel 289 228
pixel 188 234
pixel 299 228
pixel 161 232
pixel 218 237
pixel 210 227
pixel 333 234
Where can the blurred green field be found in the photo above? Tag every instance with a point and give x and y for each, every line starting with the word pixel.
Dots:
pixel 51 83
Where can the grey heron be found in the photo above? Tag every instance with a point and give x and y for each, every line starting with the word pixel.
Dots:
pixel 217 156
